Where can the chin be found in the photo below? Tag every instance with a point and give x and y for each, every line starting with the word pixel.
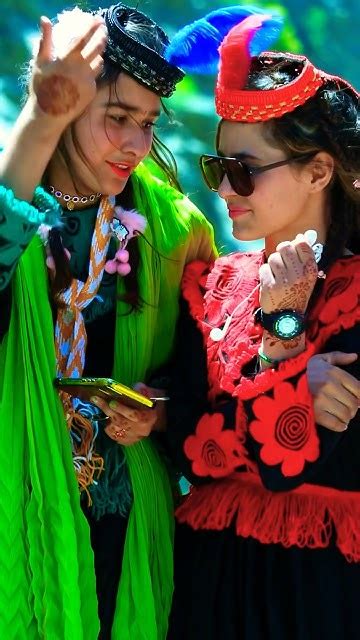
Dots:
pixel 243 234
pixel 113 188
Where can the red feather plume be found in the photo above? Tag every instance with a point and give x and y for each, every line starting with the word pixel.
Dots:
pixel 235 54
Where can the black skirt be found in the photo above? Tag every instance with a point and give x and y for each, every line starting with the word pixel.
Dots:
pixel 107 540
pixel 231 588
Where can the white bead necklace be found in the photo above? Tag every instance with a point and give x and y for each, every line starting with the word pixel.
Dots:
pixel 72 201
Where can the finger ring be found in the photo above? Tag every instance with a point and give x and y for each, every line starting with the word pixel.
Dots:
pixel 104 418
pixel 119 433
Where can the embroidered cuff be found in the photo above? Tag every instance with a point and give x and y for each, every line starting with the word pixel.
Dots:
pixel 48 206
pixel 19 222
pixel 268 378
pixel 20 219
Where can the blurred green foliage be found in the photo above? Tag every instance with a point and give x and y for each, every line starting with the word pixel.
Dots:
pixel 327 31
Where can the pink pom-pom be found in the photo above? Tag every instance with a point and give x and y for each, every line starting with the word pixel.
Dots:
pixel 50 262
pixel 122 255
pixel 123 268
pixel 133 221
pixel 111 266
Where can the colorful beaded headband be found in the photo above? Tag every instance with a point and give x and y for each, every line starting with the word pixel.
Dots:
pixel 142 63
pixel 235 103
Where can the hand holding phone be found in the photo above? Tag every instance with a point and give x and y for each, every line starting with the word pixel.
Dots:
pixel 105 388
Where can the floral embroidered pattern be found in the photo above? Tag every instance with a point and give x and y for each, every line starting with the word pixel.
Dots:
pixel 231 279
pixel 285 427
pixel 336 308
pixel 340 295
pixel 214 451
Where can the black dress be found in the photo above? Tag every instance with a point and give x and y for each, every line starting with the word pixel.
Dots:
pixel 236 588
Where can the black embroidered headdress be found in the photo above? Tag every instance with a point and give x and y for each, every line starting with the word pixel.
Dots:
pixel 146 66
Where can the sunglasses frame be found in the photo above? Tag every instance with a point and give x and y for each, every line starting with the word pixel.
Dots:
pixel 251 171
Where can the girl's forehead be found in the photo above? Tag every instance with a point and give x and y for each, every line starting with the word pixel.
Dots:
pixel 127 93
pixel 240 136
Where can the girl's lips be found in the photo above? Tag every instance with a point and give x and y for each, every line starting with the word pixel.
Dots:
pixel 235 213
pixel 123 172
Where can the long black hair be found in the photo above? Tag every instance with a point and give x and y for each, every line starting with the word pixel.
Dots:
pixel 329 121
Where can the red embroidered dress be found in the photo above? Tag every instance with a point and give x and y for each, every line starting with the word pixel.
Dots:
pixel 268 541
pixel 273 426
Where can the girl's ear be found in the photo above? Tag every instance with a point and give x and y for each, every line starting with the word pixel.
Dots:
pixel 321 171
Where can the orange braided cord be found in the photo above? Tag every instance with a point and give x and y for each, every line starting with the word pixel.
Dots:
pixel 70 333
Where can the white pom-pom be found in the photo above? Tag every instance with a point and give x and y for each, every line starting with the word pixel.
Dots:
pixel 68 26
pixel 132 220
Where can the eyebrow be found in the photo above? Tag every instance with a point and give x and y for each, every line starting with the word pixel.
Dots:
pixel 241 156
pixel 131 108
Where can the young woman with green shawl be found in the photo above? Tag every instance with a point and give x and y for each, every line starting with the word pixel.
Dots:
pixel 94 95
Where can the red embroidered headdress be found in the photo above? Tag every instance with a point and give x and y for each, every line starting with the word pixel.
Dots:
pixel 233 102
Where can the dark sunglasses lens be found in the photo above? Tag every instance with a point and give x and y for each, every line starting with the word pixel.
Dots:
pixel 239 177
pixel 212 171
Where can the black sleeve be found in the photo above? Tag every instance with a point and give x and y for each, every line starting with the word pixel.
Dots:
pixel 188 391
pixel 338 463
pixel 188 404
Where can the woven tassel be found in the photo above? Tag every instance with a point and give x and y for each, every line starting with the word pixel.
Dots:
pixel 87 463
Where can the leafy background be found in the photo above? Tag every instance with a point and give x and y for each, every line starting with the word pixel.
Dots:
pixel 327 31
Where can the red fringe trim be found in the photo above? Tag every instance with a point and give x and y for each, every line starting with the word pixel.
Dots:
pixel 305 517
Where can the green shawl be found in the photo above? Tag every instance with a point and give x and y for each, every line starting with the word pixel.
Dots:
pixel 144 342
pixel 47 583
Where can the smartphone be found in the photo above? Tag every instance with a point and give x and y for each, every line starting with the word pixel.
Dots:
pixel 106 388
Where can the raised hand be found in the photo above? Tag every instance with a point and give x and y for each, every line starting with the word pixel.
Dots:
pixel 63 86
pixel 288 278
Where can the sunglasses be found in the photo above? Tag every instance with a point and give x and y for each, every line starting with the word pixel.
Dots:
pixel 239 174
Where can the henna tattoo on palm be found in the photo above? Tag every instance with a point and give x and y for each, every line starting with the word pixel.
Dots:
pixel 57 95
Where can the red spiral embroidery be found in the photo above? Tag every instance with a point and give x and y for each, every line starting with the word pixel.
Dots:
pixel 214 451
pixel 292 428
pixel 337 286
pixel 213 456
pixel 284 426
pixel 228 282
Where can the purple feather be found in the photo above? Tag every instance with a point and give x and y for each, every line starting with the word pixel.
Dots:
pixel 195 47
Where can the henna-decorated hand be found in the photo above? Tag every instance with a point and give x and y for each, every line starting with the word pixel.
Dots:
pixel 288 278
pixel 63 86
pixel 127 425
